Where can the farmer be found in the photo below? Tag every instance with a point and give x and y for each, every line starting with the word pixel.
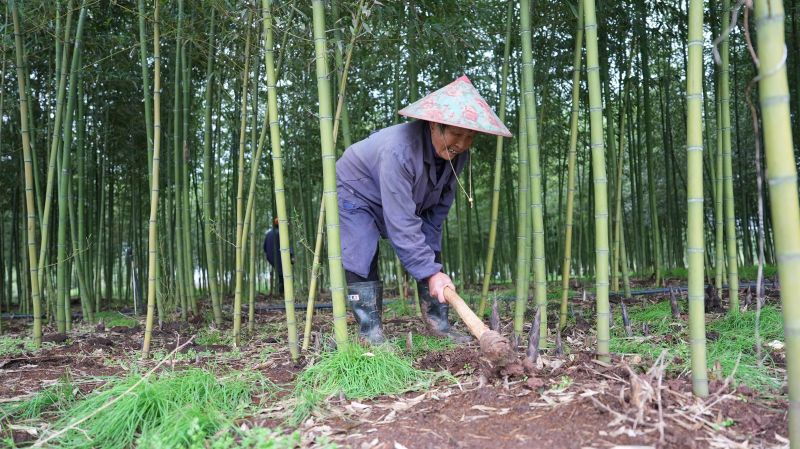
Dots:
pixel 272 247
pixel 399 184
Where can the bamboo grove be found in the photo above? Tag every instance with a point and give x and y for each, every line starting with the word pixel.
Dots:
pixel 145 147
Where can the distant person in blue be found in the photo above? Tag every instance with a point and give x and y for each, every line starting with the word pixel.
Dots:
pixel 399 184
pixel 272 249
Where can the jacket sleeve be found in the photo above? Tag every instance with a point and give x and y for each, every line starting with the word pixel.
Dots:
pixel 403 226
pixel 432 226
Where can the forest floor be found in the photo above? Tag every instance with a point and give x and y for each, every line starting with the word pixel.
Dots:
pixel 640 399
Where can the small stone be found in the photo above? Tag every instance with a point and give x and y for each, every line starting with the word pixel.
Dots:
pixel 534 383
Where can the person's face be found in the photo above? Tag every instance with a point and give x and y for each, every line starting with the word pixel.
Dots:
pixel 450 141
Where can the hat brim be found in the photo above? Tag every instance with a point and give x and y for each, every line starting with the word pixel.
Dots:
pixel 460 125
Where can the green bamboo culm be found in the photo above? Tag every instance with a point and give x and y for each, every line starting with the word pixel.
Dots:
pixel 33 265
pixel 535 173
pixel 329 178
pixel 148 106
pixel 312 284
pixel 240 220
pixel 208 179
pixel 523 227
pixel 188 264
pixel 51 169
pixel 62 320
pixel 600 182
pixel 498 166
pixel 340 72
pixel 619 228
pixel 648 142
pixel 571 156
pixel 277 171
pixel 694 192
pixel 79 239
pixel 66 172
pixel 773 92
pixel 719 208
pixel 152 236
pixel 617 186
pixel 181 287
pixel 730 219
pixel 340 108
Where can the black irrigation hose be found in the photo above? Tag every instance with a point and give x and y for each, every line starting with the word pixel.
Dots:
pixel 655 291
pixel 328 305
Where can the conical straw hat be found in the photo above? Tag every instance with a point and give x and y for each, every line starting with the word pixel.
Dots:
pixel 458 104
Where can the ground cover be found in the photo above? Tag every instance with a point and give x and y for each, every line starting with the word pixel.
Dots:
pixel 198 391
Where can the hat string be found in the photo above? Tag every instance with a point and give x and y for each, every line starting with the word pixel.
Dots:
pixel 469 175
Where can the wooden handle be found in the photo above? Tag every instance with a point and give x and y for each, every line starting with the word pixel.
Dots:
pixel 475 325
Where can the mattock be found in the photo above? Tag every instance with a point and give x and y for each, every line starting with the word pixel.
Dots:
pixel 494 346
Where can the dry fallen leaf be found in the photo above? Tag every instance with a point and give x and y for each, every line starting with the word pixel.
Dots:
pixel 483 408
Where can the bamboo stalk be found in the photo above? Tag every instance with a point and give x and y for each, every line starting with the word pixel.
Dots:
pixel 782 180
pixel 329 178
pixel 188 265
pixel 148 107
pixel 535 172
pixel 63 278
pixel 730 218
pixel 523 228
pixel 240 219
pixel 573 146
pixel 277 171
pixel 600 183
pixel 33 265
pixel 498 165
pixel 340 110
pixel 312 285
pixel 208 180
pixel 694 191
pixel 152 239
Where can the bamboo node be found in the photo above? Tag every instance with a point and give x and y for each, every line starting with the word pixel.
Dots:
pixel 772 101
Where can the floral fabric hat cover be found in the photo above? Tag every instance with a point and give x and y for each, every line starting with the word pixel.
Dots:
pixel 458 104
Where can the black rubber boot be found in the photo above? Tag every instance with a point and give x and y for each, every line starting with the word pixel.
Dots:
pixel 435 313
pixel 366 300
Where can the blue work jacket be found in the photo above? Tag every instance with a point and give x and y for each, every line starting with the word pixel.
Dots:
pixel 392 176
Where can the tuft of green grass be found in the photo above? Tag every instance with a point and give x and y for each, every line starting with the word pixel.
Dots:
pixel 423 344
pixel 60 395
pixel 750 272
pixel 658 316
pixel 736 335
pixel 187 427
pixel 11 346
pixel 398 307
pixel 114 319
pixel 156 407
pixel 732 334
pixel 357 372
pixel 212 337
pixel 746 272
